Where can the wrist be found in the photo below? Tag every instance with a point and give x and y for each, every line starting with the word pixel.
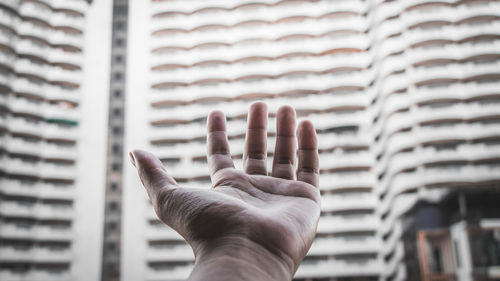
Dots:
pixel 239 258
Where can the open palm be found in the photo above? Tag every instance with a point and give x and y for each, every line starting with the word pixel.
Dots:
pixel 275 213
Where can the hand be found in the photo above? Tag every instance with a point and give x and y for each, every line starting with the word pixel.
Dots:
pixel 248 225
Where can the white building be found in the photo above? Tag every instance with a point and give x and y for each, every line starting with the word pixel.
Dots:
pixel 404 95
pixel 52 136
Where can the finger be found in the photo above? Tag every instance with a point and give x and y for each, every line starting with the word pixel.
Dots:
pixel 284 152
pixel 308 168
pixel 153 175
pixel 218 154
pixel 254 158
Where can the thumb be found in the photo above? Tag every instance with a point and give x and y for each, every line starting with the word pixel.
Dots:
pixel 153 175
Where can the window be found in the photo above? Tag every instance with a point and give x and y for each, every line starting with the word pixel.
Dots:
pixel 117 112
pixel 117 130
pixel 116 148
pixel 113 206
pixel 116 167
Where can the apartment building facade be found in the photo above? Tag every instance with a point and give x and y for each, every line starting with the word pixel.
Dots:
pixel 404 96
pixel 111 248
pixel 50 209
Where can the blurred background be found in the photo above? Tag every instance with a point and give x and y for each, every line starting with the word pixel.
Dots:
pixel 405 96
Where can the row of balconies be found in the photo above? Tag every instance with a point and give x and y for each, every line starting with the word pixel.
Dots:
pixel 404 21
pixel 327 268
pixel 324 246
pixel 407 37
pixel 335 246
pixel 224 90
pixel 46 72
pixel 231 9
pixel 38 169
pixel 40 148
pixel 264 32
pixel 314 102
pixel 269 67
pixel 41 211
pixel 53 55
pixel 51 36
pixel 322 121
pixel 391 142
pixel 38 189
pixel 45 110
pixel 332 203
pixel 327 224
pixel 261 86
pixel 427 177
pixel 320 65
pixel 355 100
pixel 35 233
pixel 34 254
pixel 45 91
pixel 423 156
pixel 55 19
pixel 35 275
pixel 42 129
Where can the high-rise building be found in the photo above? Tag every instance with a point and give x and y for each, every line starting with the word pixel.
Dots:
pixel 404 96
pixel 50 208
pixel 113 186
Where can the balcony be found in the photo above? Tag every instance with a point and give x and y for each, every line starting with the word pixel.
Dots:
pixel 27 67
pixel 8 19
pixel 38 189
pixel 58 171
pixel 61 112
pixel 74 5
pixel 340 268
pixel 160 232
pixel 176 253
pixel 59 151
pixel 345 202
pixel 19 105
pixel 13 187
pixel 29 29
pixel 49 233
pixel 14 209
pixel 332 246
pixel 174 273
pixel 13 231
pixel 58 93
pixel 25 86
pixel 60 56
pixel 60 132
pixel 271 13
pixel 62 19
pixel 13 4
pixel 35 275
pixel 63 38
pixel 34 254
pixel 36 211
pixel 31 10
pixel 335 224
pixel 17 166
pixel 17 145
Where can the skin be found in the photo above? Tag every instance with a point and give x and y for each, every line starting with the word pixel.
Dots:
pixel 248 225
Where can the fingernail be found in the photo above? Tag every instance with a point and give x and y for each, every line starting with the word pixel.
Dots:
pixel 132 158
